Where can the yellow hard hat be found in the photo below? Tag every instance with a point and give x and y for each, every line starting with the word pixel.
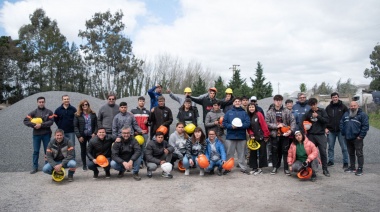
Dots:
pixel 253 144
pixel 187 90
pixel 36 120
pixel 58 176
pixel 189 129
pixel 229 90
pixel 139 139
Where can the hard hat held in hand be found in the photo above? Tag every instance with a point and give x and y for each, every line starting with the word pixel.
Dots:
pixel 180 166
pixel 202 161
pixel 253 144
pixel 36 120
pixel 102 161
pixel 140 139
pixel 307 125
pixel 162 129
pixel 237 122
pixel 228 165
pixel 189 129
pixel 167 167
pixel 58 176
pixel 305 173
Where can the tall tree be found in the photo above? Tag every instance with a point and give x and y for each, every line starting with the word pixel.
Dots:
pixel 199 87
pixel 303 87
pixel 346 88
pixel 219 85
pixel 374 71
pixel 260 88
pixel 324 88
pixel 236 82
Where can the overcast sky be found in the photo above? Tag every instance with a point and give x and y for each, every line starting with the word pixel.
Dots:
pixel 296 41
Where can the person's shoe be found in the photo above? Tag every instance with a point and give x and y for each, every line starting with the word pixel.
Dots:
pixel 345 165
pixel 253 172
pixel 287 172
pixel 326 173
pixel 70 178
pixel 187 172
pixel 136 177
pixel 96 174
pixel 220 173
pixel 84 168
pixel 108 174
pixel 201 172
pixel 211 172
pixel 244 171
pixel 142 165
pixel 313 177
pixel 350 170
pixel 226 172
pixel 274 171
pixel 166 175
pixel 34 171
pixel 359 172
pixel 149 173
pixel 237 166
pixel 270 164
pixel 121 174
pixel 330 163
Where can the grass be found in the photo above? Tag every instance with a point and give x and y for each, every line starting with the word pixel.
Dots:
pixel 374 120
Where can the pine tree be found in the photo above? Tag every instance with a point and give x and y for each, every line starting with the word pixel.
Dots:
pixel 260 88
pixel 199 87
pixel 219 85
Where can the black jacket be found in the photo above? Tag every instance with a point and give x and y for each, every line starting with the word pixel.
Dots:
pixel 318 125
pixel 126 150
pixel 206 103
pixel 160 116
pixel 188 116
pixel 335 113
pixel 155 150
pixel 79 124
pixel 99 147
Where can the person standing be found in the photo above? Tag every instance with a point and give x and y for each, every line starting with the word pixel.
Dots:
pixel 64 118
pixel 187 114
pixel 300 108
pixel 124 119
pixel 160 115
pixel 213 121
pixel 316 134
pixel 335 111
pixel 354 126
pixel 85 128
pixel 40 120
pixel 253 99
pixel 154 93
pixel 107 112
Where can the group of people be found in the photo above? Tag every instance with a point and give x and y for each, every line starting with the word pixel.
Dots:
pixel 296 134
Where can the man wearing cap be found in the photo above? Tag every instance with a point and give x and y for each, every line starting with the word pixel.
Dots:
pixel 300 108
pixel 99 145
pixel 107 112
pixel 124 119
pixel 160 115
pixel 258 108
pixel 236 121
pixel 154 93
pixel 126 154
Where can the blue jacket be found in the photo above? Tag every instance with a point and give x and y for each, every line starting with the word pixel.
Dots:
pixel 64 118
pixel 153 97
pixel 299 109
pixel 219 148
pixel 238 133
pixel 353 127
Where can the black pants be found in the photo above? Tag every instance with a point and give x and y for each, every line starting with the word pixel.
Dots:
pixel 83 149
pixel 174 158
pixel 263 162
pixel 94 167
pixel 280 147
pixel 355 146
pixel 320 141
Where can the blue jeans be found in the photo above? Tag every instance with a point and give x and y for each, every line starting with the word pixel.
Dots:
pixel 217 163
pixel 71 137
pixel 48 169
pixel 342 142
pixel 186 162
pixel 119 167
pixel 37 145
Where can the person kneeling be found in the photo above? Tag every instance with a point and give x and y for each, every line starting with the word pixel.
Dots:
pixel 126 154
pixel 60 153
pixel 215 153
pixel 158 152
pixel 303 153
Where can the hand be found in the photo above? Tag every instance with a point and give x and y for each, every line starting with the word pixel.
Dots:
pixel 127 165
pixel 266 139
pixel 191 162
pixel 290 167
pixel 58 167
pixel 152 110
pixel 252 137
pixel 287 133
pixel 81 139
pixel 315 114
pixel 216 122
pixel 146 121
pixel 162 162
pixel 118 140
pixel 166 151
pixel 233 127
pixel 94 161
pixel 93 135
pixel 144 131
pixel 305 164
pixel 37 126
pixel 358 138
pixel 280 125
pixel 168 90
pixel 327 131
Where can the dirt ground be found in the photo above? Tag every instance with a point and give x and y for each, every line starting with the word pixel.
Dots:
pixel 233 192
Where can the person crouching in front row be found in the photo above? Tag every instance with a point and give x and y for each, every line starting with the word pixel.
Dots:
pixel 215 153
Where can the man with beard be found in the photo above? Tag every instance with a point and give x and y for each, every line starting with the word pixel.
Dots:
pixel 354 126
pixel 107 112
pixel 300 108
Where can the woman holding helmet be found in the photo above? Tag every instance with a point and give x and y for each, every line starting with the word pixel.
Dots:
pixel 178 140
pixel 302 154
pixel 187 114
pixel 195 146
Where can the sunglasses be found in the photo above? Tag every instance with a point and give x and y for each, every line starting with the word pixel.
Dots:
pixel 85 105
pixel 111 99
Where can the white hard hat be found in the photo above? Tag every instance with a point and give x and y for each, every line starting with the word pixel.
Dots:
pixel 237 122
pixel 167 167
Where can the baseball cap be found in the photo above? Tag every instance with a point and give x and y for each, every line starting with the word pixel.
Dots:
pixel 253 98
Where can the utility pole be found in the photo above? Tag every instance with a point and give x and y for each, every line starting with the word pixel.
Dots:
pixel 278 88
pixel 234 68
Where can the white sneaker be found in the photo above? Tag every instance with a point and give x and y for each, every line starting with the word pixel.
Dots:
pixel 270 164
pixel 201 172
pixel 187 172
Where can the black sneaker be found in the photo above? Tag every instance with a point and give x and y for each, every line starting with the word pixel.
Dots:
pixel 326 173
pixel 136 177
pixel 274 171
pixel 96 174
pixel 359 172
pixel 220 173
pixel 313 177
pixel 149 173
pixel 34 171
pixel 70 178
pixel 244 171
pixel 211 172
pixel 108 174
pixel 350 170
pixel 84 168
pixel 330 163
pixel 287 172
pixel 121 174
pixel 345 165
pixel 237 166
pixel 166 175
pixel 226 172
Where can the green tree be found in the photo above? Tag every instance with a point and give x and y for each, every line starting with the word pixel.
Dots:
pixel 235 83
pixel 324 88
pixel 374 71
pixel 346 88
pixel 199 87
pixel 303 87
pixel 219 85
pixel 260 88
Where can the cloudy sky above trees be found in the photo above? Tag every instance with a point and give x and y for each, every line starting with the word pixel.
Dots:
pixel 296 41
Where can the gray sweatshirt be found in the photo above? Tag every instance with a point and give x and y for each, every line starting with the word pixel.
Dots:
pixel 179 144
pixel 106 115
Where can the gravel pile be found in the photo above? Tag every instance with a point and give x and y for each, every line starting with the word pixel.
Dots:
pixel 16 139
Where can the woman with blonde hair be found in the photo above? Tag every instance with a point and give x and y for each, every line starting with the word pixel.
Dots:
pixel 85 127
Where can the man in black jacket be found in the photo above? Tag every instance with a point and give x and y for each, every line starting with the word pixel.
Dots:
pixel 318 117
pixel 335 111
pixel 157 152
pixel 160 115
pixel 126 154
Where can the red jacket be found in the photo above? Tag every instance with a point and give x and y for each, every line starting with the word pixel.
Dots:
pixel 263 126
pixel 141 115
pixel 311 151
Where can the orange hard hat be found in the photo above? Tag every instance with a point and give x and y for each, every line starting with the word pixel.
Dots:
pixel 285 129
pixel 305 173
pixel 202 161
pixel 307 125
pixel 102 161
pixel 213 89
pixel 162 129
pixel 228 165
pixel 180 166
pixel 221 120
